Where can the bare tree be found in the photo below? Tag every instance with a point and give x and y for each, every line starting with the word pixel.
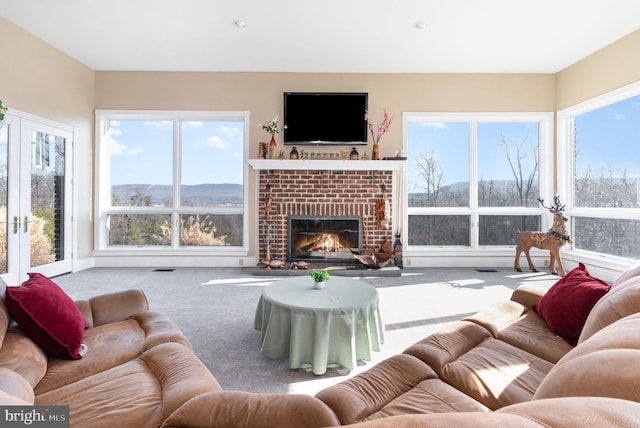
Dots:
pixel 525 178
pixel 429 170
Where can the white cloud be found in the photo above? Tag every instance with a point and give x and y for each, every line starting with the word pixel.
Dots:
pixel 440 125
pixel 227 131
pixel 190 124
pixel 217 142
pixel 119 149
pixel 159 124
pixel 618 116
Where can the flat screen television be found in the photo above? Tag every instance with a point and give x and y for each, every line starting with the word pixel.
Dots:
pixel 314 118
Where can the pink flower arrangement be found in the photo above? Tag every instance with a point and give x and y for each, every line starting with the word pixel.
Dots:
pixel 383 128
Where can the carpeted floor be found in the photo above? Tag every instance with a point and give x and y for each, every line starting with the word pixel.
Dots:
pixel 215 309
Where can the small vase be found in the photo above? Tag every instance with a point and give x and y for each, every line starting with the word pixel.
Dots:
pixel 272 148
pixel 375 153
pixel 318 285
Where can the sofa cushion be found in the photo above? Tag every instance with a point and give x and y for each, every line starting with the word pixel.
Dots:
pixel 142 392
pixel 111 345
pixel 361 396
pixel 630 272
pixel 17 386
pixel 566 306
pixel 622 300
pixel 429 396
pixel 605 365
pixel 23 356
pixel 531 333
pixel 496 374
pixel 47 315
pixel 448 344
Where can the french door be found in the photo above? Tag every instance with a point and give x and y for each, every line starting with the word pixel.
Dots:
pixel 35 198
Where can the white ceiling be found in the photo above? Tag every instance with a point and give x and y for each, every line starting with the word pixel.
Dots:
pixel 371 36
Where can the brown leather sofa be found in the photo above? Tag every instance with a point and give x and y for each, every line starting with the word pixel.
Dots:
pixel 502 367
pixel 505 367
pixel 138 371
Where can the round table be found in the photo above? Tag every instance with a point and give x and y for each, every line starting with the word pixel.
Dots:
pixel 338 324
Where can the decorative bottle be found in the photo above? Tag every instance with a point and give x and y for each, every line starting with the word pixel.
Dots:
pixel 272 148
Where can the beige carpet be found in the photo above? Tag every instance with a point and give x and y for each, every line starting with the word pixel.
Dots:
pixel 215 309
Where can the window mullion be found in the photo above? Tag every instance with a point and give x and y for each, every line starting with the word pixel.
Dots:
pixel 474 219
pixel 177 157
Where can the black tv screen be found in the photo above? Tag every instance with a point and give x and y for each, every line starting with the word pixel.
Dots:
pixel 325 118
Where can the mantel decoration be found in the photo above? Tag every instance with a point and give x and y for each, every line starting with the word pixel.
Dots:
pixel 272 128
pixel 383 128
pixel 319 277
pixel 3 110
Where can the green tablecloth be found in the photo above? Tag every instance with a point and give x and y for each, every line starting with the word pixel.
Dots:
pixel 339 324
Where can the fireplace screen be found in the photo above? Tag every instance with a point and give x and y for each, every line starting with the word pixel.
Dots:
pixel 335 238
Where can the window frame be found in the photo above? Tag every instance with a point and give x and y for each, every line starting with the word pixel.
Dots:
pixel 565 119
pixel 545 179
pixel 103 207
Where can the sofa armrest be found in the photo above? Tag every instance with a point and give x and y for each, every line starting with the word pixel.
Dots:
pixel 15 387
pixel 359 397
pixel 113 307
pixel 250 410
pixel 528 294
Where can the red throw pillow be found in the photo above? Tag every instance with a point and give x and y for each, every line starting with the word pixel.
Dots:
pixel 47 315
pixel 566 306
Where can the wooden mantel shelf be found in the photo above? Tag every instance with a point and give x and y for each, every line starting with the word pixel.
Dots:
pixel 322 164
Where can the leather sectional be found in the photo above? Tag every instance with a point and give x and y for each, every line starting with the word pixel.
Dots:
pixel 501 367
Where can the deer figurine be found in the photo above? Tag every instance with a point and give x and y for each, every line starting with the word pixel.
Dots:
pixel 552 240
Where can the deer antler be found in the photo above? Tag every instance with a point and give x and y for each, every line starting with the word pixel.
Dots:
pixel 542 202
pixel 557 206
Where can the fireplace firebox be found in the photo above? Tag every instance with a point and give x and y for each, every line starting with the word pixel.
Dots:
pixel 334 238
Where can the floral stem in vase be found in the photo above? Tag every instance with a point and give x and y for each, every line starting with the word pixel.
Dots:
pixel 375 152
pixel 376 134
pixel 272 148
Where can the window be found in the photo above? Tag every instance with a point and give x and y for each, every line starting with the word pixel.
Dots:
pixel 172 180
pixel 474 179
pixel 600 141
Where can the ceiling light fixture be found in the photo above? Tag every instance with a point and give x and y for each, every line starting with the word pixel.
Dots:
pixel 420 25
pixel 240 23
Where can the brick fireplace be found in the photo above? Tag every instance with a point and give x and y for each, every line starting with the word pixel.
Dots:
pixel 323 193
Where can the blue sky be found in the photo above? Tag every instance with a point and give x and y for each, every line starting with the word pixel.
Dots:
pixel 608 138
pixel 449 143
pixel 141 152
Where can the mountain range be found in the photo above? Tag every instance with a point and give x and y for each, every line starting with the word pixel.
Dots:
pixel 192 195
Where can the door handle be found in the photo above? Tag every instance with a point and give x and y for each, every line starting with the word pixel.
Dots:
pixel 16 224
pixel 26 224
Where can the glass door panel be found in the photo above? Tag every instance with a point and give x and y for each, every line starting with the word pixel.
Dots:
pixel 4 185
pixel 47 224
pixel 35 199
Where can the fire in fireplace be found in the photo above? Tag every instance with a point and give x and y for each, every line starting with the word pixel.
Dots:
pixel 319 238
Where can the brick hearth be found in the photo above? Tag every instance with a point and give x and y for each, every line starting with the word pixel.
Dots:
pixel 321 193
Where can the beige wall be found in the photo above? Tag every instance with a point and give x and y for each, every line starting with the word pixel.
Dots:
pixel 611 68
pixel 261 95
pixel 40 80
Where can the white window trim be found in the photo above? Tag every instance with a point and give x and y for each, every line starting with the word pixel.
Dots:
pixel 102 204
pixel 603 263
pixel 457 254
